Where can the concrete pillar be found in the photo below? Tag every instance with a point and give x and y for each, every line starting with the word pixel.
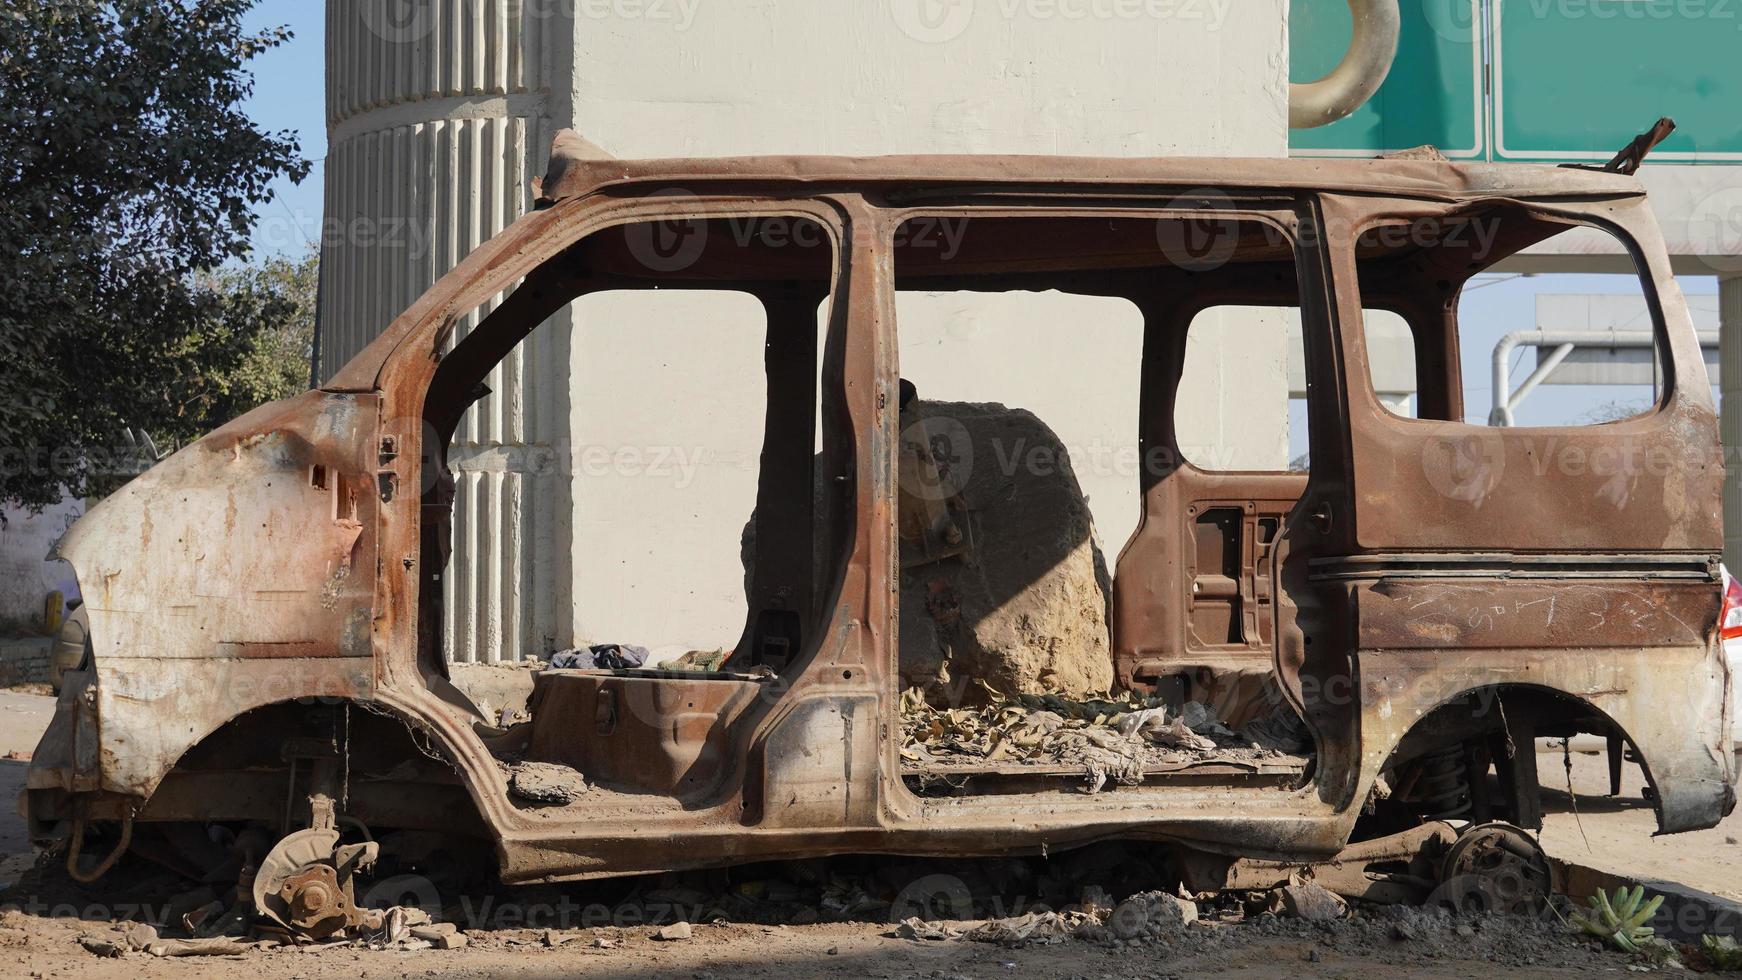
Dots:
pixel 1730 409
pixel 438 115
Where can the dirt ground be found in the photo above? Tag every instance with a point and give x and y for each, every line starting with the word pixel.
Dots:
pixel 1614 833
pixel 43 938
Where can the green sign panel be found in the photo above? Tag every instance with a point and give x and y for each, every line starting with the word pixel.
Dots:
pixel 1432 95
pixel 1577 79
pixel 1571 80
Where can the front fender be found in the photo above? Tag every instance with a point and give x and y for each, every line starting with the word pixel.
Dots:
pixel 238 572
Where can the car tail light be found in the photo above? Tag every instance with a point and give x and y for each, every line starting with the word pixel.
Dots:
pixel 1731 624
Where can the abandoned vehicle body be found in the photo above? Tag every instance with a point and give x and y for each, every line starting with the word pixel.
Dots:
pixel 1420 602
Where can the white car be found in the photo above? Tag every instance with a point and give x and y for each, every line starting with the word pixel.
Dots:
pixel 1730 628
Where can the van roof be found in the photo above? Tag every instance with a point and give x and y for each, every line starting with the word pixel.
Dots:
pixel 1406 177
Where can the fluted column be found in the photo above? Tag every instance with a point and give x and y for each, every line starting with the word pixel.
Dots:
pixel 439 112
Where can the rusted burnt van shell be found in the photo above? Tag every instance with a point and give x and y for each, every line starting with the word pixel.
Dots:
pixel 280 559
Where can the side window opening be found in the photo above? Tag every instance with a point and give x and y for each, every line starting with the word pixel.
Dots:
pixel 1042 464
pixel 1522 345
pixel 711 513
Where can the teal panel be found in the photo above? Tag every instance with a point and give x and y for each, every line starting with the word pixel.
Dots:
pixel 1432 94
pixel 1578 79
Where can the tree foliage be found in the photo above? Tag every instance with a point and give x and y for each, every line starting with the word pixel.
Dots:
pixel 128 171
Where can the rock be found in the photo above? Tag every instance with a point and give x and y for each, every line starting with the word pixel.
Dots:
pixel 673 932
pixel 102 946
pixel 1312 902
pixel 140 935
pixel 1152 915
pixel 545 782
pixel 1026 608
pixel 434 933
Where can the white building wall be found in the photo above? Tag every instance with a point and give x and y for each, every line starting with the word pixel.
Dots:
pixel 27 576
pixel 466 105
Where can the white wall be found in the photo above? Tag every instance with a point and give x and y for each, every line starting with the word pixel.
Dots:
pixel 1111 78
pixel 437 122
pixel 26 574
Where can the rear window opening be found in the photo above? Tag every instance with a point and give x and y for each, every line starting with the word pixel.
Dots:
pixel 1069 409
pixel 1518 344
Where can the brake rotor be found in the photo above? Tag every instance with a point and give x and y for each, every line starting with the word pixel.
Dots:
pixel 1496 867
pixel 305 883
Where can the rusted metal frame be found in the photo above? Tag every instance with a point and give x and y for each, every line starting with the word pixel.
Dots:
pixel 405 376
pixel 1305 641
pixel 1284 221
pixel 1373 213
pixel 1152 624
pixel 953 174
pixel 1382 437
pixel 845 660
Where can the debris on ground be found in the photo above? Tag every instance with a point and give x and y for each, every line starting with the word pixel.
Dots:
pixel 196 947
pixel 1279 730
pixel 1034 927
pixel 1111 739
pixel 545 782
pixel 1152 915
pixel 1313 902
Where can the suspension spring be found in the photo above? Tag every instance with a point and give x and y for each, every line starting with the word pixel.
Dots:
pixel 1444 787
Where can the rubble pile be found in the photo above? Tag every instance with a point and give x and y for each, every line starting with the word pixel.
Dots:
pixel 399 928
pixel 1110 739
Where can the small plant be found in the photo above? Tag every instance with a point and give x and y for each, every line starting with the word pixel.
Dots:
pixel 1722 951
pixel 1621 921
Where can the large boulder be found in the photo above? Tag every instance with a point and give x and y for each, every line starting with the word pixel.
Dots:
pixel 1013 591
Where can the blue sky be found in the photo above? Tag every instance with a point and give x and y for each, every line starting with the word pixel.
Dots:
pixel 290 93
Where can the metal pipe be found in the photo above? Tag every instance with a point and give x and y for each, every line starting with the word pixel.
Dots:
pixel 1372 50
pixel 1544 367
pixel 1505 400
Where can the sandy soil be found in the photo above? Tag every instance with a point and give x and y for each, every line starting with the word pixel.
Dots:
pixel 1614 833
pixel 1375 943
